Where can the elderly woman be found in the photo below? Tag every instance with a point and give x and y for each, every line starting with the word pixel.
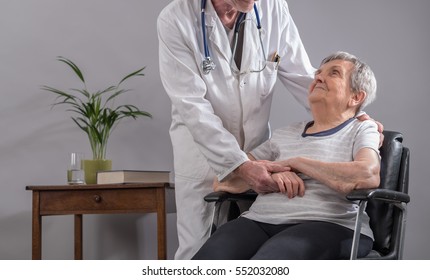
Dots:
pixel 310 218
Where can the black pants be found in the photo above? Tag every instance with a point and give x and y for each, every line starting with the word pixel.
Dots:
pixel 244 239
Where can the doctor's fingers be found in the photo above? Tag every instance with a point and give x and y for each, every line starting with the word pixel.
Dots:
pixel 381 134
pixel 274 167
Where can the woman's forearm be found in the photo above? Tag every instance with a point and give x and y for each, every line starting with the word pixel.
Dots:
pixel 363 172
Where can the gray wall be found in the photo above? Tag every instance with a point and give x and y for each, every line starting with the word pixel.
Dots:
pixel 108 39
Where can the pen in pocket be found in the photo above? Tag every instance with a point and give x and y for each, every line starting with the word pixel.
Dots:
pixel 276 58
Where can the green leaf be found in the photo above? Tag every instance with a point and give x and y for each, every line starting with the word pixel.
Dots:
pixel 121 91
pixel 135 73
pixel 73 66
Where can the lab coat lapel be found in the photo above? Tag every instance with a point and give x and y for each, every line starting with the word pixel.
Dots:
pixel 252 53
pixel 217 35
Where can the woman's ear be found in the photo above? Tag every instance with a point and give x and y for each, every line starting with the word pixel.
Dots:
pixel 357 98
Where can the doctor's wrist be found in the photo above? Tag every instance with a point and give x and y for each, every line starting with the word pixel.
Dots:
pixel 240 170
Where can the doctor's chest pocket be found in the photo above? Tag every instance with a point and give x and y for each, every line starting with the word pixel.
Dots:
pixel 268 77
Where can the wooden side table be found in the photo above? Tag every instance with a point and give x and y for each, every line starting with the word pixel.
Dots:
pixel 78 200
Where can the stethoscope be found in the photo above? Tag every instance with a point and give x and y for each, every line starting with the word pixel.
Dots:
pixel 208 64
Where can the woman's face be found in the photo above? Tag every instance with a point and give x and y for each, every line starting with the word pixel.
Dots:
pixel 241 5
pixel 331 84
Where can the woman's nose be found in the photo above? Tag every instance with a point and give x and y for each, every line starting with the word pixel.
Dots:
pixel 319 78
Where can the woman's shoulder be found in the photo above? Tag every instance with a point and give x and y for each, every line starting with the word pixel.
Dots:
pixel 293 128
pixel 364 125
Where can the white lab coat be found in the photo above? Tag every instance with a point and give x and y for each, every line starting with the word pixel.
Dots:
pixel 217 118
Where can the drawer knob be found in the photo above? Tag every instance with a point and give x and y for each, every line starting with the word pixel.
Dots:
pixel 97 198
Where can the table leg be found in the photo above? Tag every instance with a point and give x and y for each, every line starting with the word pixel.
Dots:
pixel 36 228
pixel 78 237
pixel 161 224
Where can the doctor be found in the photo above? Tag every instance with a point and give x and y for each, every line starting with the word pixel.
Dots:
pixel 221 96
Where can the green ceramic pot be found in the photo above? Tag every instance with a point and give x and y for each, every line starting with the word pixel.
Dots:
pixel 91 166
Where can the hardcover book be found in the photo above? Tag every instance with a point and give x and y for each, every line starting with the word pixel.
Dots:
pixel 132 176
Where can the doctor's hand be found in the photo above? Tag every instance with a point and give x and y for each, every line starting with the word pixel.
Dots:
pixel 232 185
pixel 257 174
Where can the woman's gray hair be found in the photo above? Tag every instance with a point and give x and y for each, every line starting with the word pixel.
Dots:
pixel 362 77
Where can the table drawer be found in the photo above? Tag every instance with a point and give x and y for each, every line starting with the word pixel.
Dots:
pixel 98 201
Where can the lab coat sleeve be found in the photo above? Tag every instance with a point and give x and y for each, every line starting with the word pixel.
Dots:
pixel 180 75
pixel 295 69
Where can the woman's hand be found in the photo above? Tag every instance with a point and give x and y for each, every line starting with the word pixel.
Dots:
pixel 289 183
pixel 257 174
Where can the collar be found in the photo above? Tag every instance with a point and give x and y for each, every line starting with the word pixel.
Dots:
pixel 327 132
pixel 211 15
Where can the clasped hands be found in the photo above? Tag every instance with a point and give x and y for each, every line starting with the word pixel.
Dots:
pixel 263 177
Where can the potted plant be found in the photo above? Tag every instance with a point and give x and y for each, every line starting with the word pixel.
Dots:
pixel 96 115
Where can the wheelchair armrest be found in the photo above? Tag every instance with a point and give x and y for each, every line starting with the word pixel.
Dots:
pixel 379 194
pixel 223 196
